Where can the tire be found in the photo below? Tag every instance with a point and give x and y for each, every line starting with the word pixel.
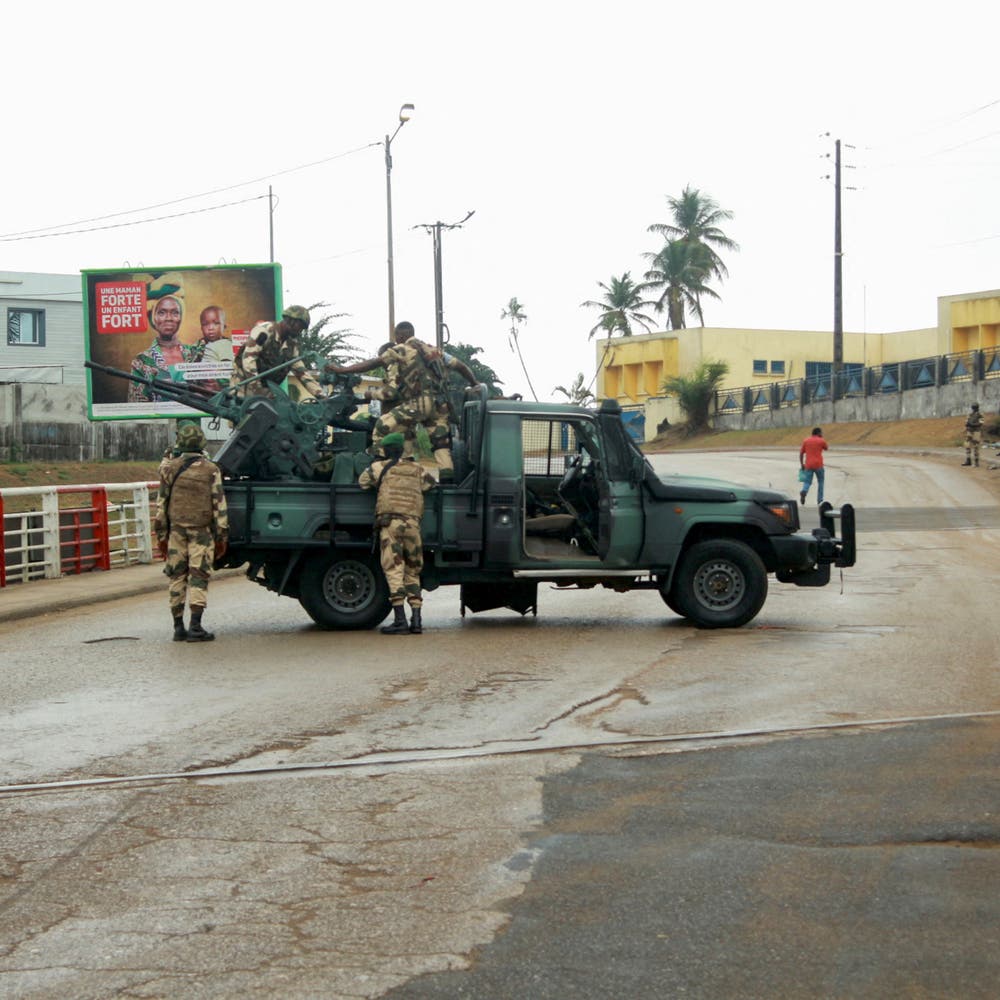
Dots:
pixel 719 584
pixel 668 600
pixel 341 591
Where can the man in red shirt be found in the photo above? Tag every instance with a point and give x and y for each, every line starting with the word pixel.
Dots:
pixel 811 460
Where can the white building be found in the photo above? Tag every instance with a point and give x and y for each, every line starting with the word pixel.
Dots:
pixel 43 320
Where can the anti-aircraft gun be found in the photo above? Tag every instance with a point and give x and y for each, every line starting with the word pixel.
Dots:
pixel 275 437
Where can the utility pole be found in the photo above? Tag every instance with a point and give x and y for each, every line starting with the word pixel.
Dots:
pixel 838 277
pixel 434 229
pixel 838 269
pixel 270 218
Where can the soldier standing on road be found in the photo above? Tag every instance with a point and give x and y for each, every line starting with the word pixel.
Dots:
pixel 271 344
pixel 400 482
pixel 422 383
pixel 192 529
pixel 811 460
pixel 973 435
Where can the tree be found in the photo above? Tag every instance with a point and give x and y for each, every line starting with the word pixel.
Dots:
pixel 681 270
pixel 696 391
pixel 577 393
pixel 620 307
pixel 334 345
pixel 696 219
pixel 484 374
pixel 516 314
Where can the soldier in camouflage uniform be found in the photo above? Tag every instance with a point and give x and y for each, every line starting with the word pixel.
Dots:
pixel 192 529
pixel 272 344
pixel 973 435
pixel 401 483
pixel 422 384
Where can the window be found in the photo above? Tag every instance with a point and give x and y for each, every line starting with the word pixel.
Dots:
pixel 760 367
pixel 26 327
pixel 777 367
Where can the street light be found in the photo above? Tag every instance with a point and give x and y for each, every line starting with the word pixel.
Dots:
pixel 404 117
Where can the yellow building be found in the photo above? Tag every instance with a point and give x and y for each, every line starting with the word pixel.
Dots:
pixel 633 369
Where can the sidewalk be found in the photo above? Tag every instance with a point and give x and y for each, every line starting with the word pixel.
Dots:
pixel 41 597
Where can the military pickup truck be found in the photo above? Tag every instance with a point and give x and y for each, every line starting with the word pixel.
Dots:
pixel 543 493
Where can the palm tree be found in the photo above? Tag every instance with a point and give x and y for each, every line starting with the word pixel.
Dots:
pixel 680 269
pixel 334 345
pixel 696 391
pixel 620 307
pixel 516 314
pixel 577 393
pixel 484 374
pixel 696 219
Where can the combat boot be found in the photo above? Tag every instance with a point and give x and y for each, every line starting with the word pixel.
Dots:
pixel 968 461
pixel 802 498
pixel 196 633
pixel 398 626
pixel 416 626
pixel 180 632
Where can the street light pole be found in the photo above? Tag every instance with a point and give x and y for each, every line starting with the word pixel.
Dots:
pixel 404 117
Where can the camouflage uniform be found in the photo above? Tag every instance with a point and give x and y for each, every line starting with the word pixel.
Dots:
pixel 192 519
pixel 398 510
pixel 973 435
pixel 264 350
pixel 424 401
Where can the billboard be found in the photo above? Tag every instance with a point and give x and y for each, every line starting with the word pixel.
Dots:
pixel 181 323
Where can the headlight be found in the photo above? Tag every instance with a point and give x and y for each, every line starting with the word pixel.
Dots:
pixel 786 511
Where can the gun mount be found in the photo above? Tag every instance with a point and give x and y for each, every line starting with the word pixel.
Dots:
pixel 275 436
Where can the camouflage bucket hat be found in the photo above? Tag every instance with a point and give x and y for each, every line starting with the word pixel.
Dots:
pixel 297 312
pixel 190 438
pixel 394 440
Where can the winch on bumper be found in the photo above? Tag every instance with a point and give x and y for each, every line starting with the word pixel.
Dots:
pixel 806 561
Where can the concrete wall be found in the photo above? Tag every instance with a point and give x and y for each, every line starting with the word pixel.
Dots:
pixel 48 423
pixel 935 401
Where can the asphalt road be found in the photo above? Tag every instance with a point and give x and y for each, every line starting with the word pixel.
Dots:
pixel 602 801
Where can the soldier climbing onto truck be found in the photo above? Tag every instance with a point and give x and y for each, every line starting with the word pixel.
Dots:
pixel 270 345
pixel 399 483
pixel 423 393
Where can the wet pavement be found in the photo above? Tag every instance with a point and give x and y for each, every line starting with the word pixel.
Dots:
pixel 863 864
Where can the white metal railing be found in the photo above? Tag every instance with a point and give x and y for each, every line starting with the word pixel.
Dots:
pixel 47 542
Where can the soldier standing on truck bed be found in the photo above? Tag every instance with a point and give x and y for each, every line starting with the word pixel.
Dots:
pixel 271 344
pixel 192 529
pixel 400 482
pixel 423 393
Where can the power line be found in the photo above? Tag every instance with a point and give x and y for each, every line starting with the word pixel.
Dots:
pixel 137 222
pixel 190 197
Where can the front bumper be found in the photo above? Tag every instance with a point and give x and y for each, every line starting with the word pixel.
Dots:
pixel 824 549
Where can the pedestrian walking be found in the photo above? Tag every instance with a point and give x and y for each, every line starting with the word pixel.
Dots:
pixel 973 435
pixel 192 529
pixel 400 483
pixel 811 464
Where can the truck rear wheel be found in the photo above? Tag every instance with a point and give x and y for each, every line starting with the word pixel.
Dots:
pixel 719 584
pixel 344 592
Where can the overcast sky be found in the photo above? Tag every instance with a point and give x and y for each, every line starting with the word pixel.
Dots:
pixel 564 127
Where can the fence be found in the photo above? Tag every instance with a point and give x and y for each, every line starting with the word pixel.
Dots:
pixel 858 381
pixel 98 534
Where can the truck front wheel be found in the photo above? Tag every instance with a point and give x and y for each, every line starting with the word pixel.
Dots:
pixel 344 592
pixel 719 584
